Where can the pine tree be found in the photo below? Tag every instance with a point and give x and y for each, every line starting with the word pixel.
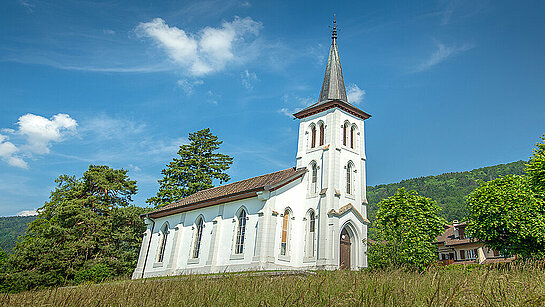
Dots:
pixel 536 169
pixel 195 169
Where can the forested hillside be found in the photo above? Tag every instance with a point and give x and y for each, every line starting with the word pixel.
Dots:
pixel 12 227
pixel 449 190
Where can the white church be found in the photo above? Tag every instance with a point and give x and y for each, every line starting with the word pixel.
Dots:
pixel 312 216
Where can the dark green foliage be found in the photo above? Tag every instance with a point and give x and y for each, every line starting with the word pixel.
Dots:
pixel 195 170
pixel 87 229
pixel 405 227
pixel 449 190
pixel 11 228
pixel 536 169
pixel 505 216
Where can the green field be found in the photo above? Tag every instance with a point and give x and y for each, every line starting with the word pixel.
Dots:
pixel 474 285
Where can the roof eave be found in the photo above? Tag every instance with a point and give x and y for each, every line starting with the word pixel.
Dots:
pixel 329 105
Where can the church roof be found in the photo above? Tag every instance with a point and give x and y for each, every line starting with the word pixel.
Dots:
pixel 230 192
pixel 333 93
pixel 333 86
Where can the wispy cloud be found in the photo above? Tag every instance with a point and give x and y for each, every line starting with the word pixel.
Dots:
pixel 441 54
pixel 188 85
pixel 27 5
pixel 248 78
pixel 355 94
pixel 300 103
pixel 205 52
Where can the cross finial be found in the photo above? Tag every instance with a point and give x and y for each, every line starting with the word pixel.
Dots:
pixel 334 31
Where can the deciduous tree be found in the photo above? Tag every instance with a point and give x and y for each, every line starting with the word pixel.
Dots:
pixel 196 168
pixel 535 169
pixel 406 226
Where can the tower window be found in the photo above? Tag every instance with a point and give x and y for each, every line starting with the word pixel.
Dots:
pixel 349 178
pixel 344 134
pixel 311 234
pixel 313 137
pixel 352 136
pixel 322 134
pixel 314 178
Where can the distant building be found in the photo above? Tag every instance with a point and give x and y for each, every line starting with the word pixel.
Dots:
pixel 454 246
pixel 312 216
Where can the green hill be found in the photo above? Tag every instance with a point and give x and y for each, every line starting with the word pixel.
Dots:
pixel 449 189
pixel 11 228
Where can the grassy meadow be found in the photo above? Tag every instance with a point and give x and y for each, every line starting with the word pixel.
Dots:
pixel 515 285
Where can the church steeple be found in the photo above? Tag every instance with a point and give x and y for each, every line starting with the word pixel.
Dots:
pixel 333 86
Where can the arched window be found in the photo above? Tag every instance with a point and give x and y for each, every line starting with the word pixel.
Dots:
pixel 285 233
pixel 313 136
pixel 345 128
pixel 164 234
pixel 241 232
pixel 322 134
pixel 314 178
pixel 349 178
pixel 198 237
pixel 352 131
pixel 311 234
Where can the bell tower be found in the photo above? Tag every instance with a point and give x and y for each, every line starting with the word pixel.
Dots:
pixel 331 146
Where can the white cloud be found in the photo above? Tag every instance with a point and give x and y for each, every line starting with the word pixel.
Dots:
pixel 248 78
pixel 40 132
pixel 355 94
pixel 207 51
pixel 27 213
pixel 8 153
pixel 441 54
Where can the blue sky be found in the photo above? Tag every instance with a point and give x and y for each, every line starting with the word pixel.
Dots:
pixel 451 85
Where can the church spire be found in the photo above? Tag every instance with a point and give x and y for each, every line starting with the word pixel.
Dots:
pixel 333 86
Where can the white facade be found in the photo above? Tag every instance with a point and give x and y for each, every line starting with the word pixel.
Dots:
pixel 315 220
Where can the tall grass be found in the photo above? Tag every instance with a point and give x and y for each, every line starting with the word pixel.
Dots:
pixel 513 285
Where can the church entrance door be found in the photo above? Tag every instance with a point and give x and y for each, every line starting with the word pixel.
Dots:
pixel 345 250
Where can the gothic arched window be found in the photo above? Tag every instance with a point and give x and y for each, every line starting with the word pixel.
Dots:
pixel 162 246
pixel 349 170
pixel 311 234
pixel 313 136
pixel 241 232
pixel 322 134
pixel 352 131
pixel 198 237
pixel 345 128
pixel 285 233
pixel 314 177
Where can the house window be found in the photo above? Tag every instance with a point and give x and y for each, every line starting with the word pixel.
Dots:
pixel 241 231
pixel 322 134
pixel 462 254
pixel 164 233
pixel 462 233
pixel 311 234
pixel 349 178
pixel 352 136
pixel 314 178
pixel 471 253
pixel 313 137
pixel 198 237
pixel 285 226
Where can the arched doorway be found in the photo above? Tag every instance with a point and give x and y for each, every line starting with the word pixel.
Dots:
pixel 345 250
